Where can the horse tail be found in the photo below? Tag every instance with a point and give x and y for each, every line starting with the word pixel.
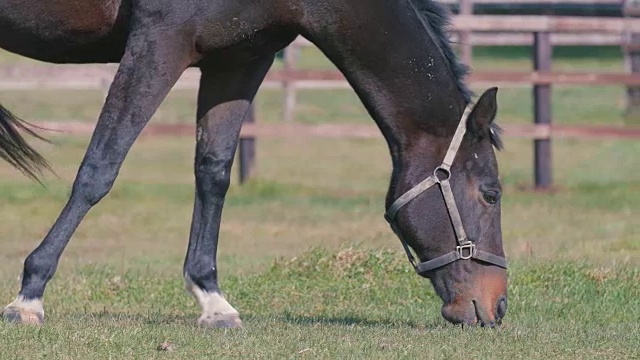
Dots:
pixel 15 150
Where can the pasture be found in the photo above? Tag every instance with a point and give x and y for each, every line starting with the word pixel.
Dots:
pixel 305 254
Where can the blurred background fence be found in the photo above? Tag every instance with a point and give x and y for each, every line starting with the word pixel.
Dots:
pixel 538 24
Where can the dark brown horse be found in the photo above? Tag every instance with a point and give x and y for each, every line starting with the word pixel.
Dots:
pixel 394 53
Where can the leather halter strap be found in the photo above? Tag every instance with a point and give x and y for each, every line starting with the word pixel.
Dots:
pixel 466 249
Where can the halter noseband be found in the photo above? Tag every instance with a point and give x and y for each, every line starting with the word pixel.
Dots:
pixel 466 249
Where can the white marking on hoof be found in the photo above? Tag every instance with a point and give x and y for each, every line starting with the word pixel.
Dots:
pixel 216 311
pixel 23 311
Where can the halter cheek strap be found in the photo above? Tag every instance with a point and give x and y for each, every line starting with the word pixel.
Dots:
pixel 466 249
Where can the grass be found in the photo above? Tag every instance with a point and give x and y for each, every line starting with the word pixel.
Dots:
pixel 351 304
pixel 305 254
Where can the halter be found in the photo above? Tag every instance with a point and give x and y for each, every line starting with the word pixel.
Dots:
pixel 466 249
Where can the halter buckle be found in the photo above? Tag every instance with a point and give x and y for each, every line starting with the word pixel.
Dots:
pixel 466 251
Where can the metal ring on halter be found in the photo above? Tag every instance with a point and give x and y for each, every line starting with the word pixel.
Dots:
pixel 446 171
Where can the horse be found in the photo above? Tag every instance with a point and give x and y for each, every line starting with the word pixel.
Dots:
pixel 395 54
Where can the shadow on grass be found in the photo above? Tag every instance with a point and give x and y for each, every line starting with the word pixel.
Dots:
pixel 347 320
pixel 124 319
pixel 119 319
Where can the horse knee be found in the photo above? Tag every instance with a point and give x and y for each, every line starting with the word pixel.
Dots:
pixel 93 183
pixel 213 175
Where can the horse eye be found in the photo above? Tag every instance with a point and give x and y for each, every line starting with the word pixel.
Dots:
pixel 491 196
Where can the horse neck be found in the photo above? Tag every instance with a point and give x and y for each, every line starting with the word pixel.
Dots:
pixel 394 64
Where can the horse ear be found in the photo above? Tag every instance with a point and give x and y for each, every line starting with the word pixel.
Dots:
pixel 480 123
pixel 485 109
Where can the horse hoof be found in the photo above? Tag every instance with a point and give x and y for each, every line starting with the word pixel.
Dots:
pixel 24 311
pixel 21 316
pixel 221 321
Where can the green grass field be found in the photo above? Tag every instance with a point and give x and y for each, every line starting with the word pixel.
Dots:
pixel 305 254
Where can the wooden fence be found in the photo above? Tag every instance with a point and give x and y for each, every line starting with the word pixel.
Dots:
pixel 470 7
pixel 538 2
pixel 540 28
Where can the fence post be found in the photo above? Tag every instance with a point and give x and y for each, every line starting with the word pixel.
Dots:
pixel 466 8
pixel 542 110
pixel 289 87
pixel 105 85
pixel 247 150
pixel 631 48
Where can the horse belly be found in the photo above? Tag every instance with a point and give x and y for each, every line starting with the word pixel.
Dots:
pixel 65 31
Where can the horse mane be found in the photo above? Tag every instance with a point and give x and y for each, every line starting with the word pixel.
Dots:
pixel 437 17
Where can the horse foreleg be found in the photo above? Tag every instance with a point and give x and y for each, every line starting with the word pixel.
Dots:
pixel 223 101
pixel 152 63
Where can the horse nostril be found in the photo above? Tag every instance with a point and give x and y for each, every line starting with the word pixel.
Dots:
pixel 502 307
pixel 491 324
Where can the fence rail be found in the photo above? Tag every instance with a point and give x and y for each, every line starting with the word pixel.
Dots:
pixel 313 79
pixel 534 23
pixel 352 131
pixel 539 2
